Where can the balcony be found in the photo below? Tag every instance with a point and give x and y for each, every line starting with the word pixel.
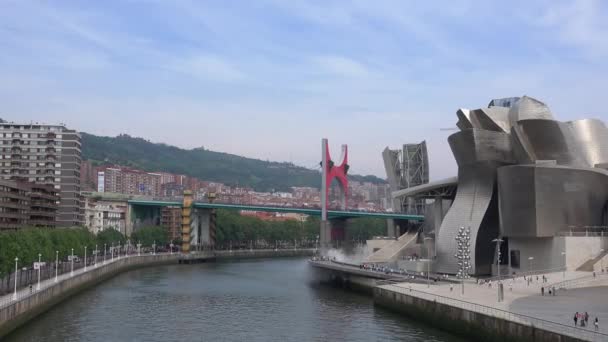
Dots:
pixel 42 222
pixel 51 135
pixel 16 135
pixel 17 142
pixel 42 213
pixel 48 203
pixel 37 194
pixel 50 150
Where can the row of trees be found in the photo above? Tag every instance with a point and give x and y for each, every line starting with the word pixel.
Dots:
pixel 231 227
pixel 234 227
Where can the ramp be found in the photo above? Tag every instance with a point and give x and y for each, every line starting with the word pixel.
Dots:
pixel 588 265
pixel 391 251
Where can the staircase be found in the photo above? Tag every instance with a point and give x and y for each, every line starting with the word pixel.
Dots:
pixel 587 266
pixel 391 251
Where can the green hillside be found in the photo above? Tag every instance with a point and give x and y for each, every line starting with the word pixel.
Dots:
pixel 201 163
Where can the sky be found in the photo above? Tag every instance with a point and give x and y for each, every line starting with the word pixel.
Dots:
pixel 269 78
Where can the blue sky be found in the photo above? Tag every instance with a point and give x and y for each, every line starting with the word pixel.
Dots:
pixel 269 78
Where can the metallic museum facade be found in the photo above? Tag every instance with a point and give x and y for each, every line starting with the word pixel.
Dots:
pixel 526 178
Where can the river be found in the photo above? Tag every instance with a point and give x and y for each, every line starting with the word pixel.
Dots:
pixel 247 300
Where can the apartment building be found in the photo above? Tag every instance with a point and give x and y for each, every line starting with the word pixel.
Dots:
pixel 171 220
pixel 45 154
pixel 102 214
pixel 128 181
pixel 24 204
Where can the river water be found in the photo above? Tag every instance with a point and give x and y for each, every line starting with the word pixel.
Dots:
pixel 248 300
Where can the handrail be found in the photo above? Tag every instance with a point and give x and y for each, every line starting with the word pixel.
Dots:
pixel 564 284
pixel 576 332
pixel 526 273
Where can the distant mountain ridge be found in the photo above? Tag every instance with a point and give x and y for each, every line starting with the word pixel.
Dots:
pixel 203 164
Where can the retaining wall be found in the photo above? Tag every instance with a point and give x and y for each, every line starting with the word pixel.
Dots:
pixel 473 325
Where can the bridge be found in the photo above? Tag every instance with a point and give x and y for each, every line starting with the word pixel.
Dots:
pixel 331 214
pixel 199 226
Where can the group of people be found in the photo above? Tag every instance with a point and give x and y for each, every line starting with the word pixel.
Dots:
pixel 583 320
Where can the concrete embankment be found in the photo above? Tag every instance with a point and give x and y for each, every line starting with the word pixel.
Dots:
pixel 475 325
pixel 351 277
pixel 263 253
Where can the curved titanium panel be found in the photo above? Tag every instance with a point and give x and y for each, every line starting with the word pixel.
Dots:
pixel 528 108
pixel 464 119
pixel 550 140
pixel 492 119
pixel 540 201
pixel 473 198
pixel 592 136
pixel 478 154
pixel 475 145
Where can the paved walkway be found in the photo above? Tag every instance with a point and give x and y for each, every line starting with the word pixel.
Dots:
pixel 526 299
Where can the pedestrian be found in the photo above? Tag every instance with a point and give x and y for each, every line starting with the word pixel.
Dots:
pixel 30 288
pixel 597 324
pixel 549 291
pixel 575 318
pixel 586 318
pixel 452 288
pixel 542 290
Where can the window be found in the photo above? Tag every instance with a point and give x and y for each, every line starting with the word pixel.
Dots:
pixel 515 259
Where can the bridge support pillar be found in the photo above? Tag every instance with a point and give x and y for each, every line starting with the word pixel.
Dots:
pixel 203 228
pixel 186 221
pixel 333 232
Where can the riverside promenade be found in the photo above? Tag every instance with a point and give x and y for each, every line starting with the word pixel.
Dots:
pixel 523 314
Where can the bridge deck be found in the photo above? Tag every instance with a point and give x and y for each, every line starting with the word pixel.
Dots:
pixel 306 211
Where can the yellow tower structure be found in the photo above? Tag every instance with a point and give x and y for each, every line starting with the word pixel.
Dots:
pixel 186 219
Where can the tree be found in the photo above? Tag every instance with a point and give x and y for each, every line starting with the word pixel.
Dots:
pixel 150 235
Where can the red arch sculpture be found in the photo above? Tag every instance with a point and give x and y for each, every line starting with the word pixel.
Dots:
pixel 337 172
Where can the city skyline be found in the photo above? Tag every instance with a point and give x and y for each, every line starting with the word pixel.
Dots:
pixel 285 75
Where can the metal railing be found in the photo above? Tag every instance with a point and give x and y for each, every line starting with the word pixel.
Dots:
pixel 24 292
pixel 563 329
pixel 576 282
pixel 526 273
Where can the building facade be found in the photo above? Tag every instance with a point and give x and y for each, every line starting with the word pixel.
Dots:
pixel 171 220
pixel 25 204
pixel 128 181
pixel 102 214
pixel 45 154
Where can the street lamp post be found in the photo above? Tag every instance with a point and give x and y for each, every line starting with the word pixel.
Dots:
pixel 72 268
pixel 105 251
pixel 565 265
pixel 498 241
pixel 15 293
pixel 85 258
pixel 39 267
pixel 463 255
pixel 95 260
pixel 428 262
pixel 56 264
pixel 112 252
